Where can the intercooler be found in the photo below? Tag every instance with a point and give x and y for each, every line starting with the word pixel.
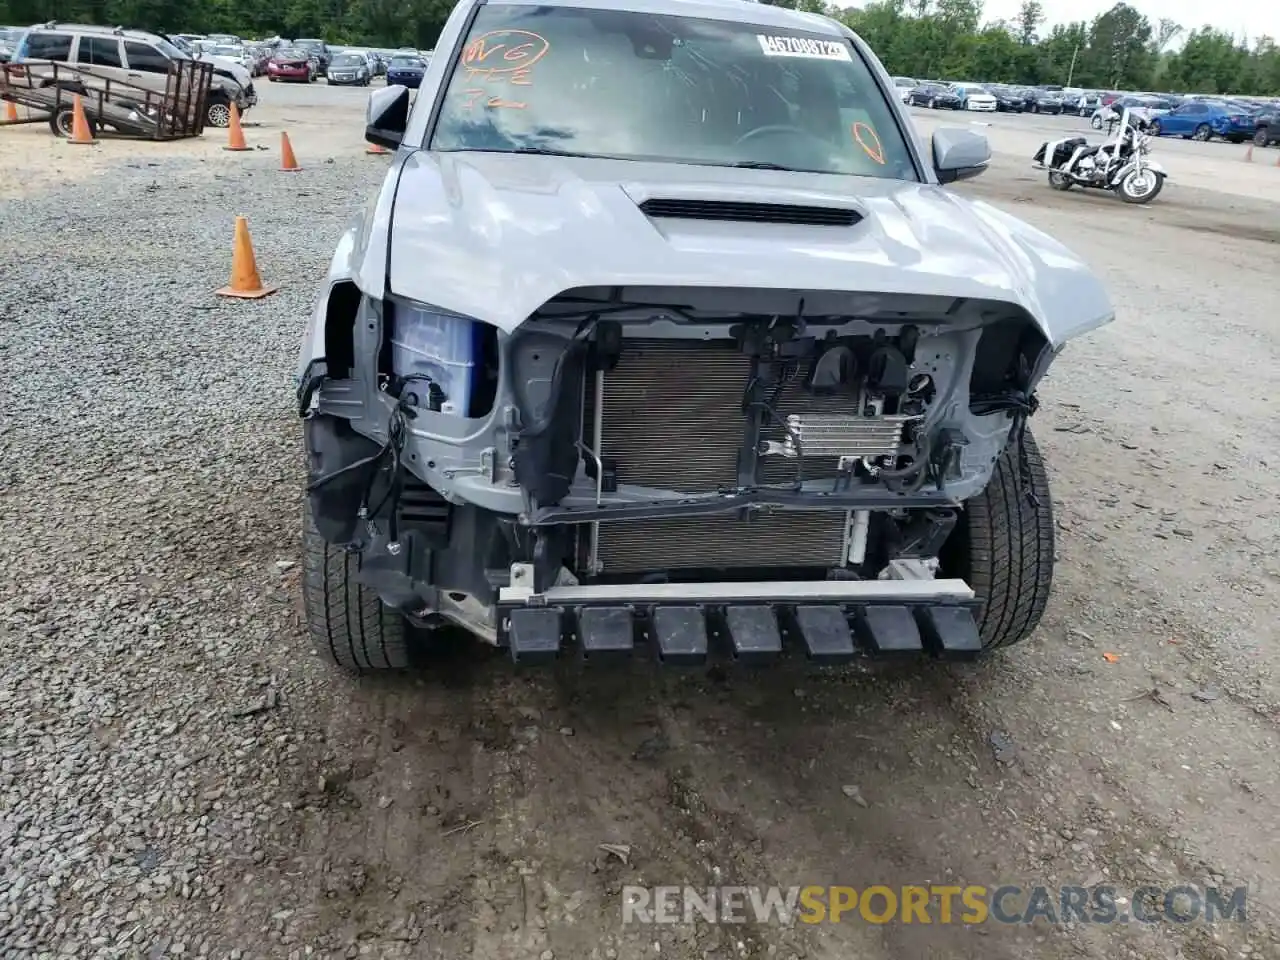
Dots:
pixel 672 418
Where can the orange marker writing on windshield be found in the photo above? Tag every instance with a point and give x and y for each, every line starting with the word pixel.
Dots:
pixel 869 141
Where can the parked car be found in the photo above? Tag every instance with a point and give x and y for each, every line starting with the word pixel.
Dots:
pixel 1140 106
pixel 1044 101
pixel 1088 102
pixel 317 49
pixel 1206 119
pixel 291 65
pixel 1266 126
pixel 406 71
pixel 349 69
pixel 1008 100
pixel 904 86
pixel 974 96
pixel 935 96
pixel 514 305
pixel 132 58
pixel 229 67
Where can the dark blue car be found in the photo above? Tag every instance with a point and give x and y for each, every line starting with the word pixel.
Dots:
pixel 406 71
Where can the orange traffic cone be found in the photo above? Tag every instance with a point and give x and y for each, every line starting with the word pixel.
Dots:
pixel 245 282
pixel 235 135
pixel 80 132
pixel 288 162
pixel 10 112
pixel 376 148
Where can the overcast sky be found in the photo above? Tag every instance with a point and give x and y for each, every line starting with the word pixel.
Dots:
pixel 1251 17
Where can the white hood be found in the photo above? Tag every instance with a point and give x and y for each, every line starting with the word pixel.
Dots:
pixel 234 67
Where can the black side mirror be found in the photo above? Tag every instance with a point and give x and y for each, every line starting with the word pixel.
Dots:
pixel 387 116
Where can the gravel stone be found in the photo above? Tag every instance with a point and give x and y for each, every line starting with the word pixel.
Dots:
pixel 141 445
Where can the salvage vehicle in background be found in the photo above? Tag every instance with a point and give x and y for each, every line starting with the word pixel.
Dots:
pixel 661 332
pixel 974 96
pixel 349 69
pixel 317 50
pixel 935 96
pixel 133 58
pixel 1206 119
pixel 292 65
pixel 1139 106
pixel 1040 100
pixel 1008 100
pixel 1266 126
pixel 904 86
pixel 406 70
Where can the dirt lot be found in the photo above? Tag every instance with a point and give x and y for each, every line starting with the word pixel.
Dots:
pixel 178 776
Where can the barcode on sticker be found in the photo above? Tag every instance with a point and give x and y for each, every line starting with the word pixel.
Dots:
pixel 804 47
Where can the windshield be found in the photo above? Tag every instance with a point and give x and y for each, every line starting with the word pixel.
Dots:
pixel 169 50
pixel 406 63
pixel 633 86
pixel 226 51
pixel 291 55
pixel 348 60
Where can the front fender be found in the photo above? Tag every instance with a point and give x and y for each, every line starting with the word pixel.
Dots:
pixel 1153 165
pixel 360 258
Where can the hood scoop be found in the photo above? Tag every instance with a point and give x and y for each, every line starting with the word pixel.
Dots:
pixel 667 208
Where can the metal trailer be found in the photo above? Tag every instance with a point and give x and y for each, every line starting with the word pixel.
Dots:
pixel 50 88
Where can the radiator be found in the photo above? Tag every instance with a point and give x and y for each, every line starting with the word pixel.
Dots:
pixel 672 418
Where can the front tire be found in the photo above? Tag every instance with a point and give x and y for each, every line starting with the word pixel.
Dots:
pixel 1003 546
pixel 1202 133
pixel 61 123
pixel 347 622
pixel 1135 190
pixel 218 114
pixel 1261 137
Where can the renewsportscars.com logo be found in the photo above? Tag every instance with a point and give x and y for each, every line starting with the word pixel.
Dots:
pixel 935 903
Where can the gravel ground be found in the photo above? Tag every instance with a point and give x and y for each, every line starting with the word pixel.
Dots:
pixel 179 777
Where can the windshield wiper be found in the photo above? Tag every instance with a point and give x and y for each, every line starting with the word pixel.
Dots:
pixel 762 165
pixel 537 151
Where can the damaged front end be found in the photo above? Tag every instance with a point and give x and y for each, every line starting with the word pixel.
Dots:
pixel 687 466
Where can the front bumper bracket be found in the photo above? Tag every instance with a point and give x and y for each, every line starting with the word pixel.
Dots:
pixel 827 622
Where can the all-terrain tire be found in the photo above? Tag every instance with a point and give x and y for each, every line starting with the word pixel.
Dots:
pixel 1003 546
pixel 348 623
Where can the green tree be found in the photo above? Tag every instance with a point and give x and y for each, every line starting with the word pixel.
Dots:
pixel 1030 17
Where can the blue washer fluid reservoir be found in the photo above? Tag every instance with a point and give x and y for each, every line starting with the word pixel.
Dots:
pixel 441 346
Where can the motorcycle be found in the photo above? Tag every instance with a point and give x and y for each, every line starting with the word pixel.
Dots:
pixel 1120 164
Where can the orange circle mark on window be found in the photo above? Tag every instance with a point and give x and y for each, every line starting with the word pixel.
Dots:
pixel 869 141
pixel 505 51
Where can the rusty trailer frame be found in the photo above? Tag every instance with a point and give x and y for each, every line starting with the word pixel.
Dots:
pixel 49 88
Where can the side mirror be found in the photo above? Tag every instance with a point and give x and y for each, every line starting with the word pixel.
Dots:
pixel 387 116
pixel 959 154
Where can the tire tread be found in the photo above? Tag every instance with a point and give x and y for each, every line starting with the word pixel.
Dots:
pixel 1011 547
pixel 348 623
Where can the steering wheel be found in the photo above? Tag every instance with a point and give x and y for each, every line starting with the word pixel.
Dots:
pixel 772 128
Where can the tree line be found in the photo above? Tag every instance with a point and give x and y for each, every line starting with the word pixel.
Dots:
pixel 1117 50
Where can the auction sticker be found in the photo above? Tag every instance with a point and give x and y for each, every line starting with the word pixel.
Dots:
pixel 804 47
